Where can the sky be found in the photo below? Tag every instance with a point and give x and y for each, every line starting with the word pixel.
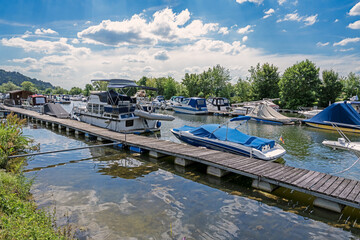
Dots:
pixel 70 42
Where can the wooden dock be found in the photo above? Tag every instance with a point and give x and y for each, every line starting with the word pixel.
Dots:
pixel 332 192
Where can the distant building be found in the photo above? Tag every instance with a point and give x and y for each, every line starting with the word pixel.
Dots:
pixel 18 95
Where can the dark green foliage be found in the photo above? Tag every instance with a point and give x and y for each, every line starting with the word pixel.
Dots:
pixel 351 85
pixel 213 82
pixel 299 85
pixel 18 78
pixel 75 91
pixel 330 88
pixel 265 81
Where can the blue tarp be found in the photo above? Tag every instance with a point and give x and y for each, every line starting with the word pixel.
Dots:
pixel 197 102
pixel 232 135
pixel 341 113
pixel 240 118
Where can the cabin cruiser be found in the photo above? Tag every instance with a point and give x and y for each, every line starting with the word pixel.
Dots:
pixel 117 111
pixel 159 102
pixel 35 103
pixel 218 104
pixel 192 105
pixel 222 138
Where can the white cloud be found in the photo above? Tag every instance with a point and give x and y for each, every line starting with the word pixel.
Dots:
pixel 268 13
pixel 346 49
pixel 75 41
pixel 244 39
pixel 355 11
pixel 161 55
pixel 43 31
pixel 25 60
pixel 165 26
pixel 281 2
pixel 320 44
pixel 346 41
pixel 216 46
pixel 245 30
pixel 252 1
pixel 355 25
pixel 224 30
pixel 47 47
pixel 87 22
pixel 308 20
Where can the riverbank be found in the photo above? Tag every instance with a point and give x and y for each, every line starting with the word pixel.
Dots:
pixel 19 217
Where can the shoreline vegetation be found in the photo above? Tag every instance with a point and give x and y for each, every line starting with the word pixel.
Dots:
pixel 301 85
pixel 19 216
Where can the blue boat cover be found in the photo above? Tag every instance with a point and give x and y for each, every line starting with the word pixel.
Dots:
pixel 197 102
pixel 240 118
pixel 233 135
pixel 341 113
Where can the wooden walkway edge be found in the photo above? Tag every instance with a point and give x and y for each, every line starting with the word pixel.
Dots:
pixel 324 186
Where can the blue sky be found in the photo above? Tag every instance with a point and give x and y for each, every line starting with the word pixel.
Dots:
pixel 70 42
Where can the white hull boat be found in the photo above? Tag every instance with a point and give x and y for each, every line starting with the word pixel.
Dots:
pixel 195 106
pixel 221 138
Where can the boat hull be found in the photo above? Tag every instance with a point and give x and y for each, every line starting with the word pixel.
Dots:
pixel 329 127
pixel 132 125
pixel 187 110
pixel 227 146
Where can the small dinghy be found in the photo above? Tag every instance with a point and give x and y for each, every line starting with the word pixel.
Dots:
pixel 222 138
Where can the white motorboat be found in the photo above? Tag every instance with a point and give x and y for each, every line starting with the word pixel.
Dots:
pixel 192 105
pixel 223 138
pixel 310 113
pixel 118 112
pixel 218 104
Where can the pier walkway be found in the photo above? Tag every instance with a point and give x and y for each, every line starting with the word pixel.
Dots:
pixel 332 192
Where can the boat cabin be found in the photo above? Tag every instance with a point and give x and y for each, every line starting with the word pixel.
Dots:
pixel 35 100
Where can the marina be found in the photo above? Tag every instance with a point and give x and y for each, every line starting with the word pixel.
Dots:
pixel 331 191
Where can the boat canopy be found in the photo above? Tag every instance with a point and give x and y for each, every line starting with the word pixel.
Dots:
pixel 112 97
pixel 216 131
pixel 195 102
pixel 340 113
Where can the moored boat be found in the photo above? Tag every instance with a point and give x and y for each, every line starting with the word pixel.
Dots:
pixel 266 114
pixel 223 138
pixel 344 114
pixel 192 105
pixel 218 104
pixel 118 112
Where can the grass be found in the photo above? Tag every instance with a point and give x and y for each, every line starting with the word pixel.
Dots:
pixel 19 216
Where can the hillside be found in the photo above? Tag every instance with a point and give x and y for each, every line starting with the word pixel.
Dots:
pixel 17 78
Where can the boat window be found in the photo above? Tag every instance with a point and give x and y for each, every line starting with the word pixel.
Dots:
pixel 186 101
pixel 95 108
pixel 89 107
pixel 200 102
pixel 39 100
pixel 101 109
pixel 129 123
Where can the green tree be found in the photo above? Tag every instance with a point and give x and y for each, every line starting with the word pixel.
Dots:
pixel 9 86
pixel 242 91
pixel 265 81
pixel 60 90
pixel 170 88
pixel 351 85
pixel 48 91
pixel 75 91
pixel 28 86
pixel 100 85
pixel 299 84
pixel 88 89
pixel 330 88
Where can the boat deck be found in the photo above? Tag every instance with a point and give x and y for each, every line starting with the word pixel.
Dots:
pixel 332 188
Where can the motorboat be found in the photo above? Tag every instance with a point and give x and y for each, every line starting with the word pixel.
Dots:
pixel 159 102
pixel 175 100
pixel 242 110
pixel 192 105
pixel 265 114
pixel 35 103
pixel 310 113
pixel 118 111
pixel 344 114
pixel 218 104
pixel 223 138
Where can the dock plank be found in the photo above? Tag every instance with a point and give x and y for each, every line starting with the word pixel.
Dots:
pixel 338 190
pixel 327 184
pixel 344 194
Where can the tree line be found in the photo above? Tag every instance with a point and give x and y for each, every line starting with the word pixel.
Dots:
pixel 299 86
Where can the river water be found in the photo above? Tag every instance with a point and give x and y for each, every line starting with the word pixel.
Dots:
pixel 108 193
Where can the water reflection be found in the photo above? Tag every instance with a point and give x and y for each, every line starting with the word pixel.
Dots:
pixel 111 194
